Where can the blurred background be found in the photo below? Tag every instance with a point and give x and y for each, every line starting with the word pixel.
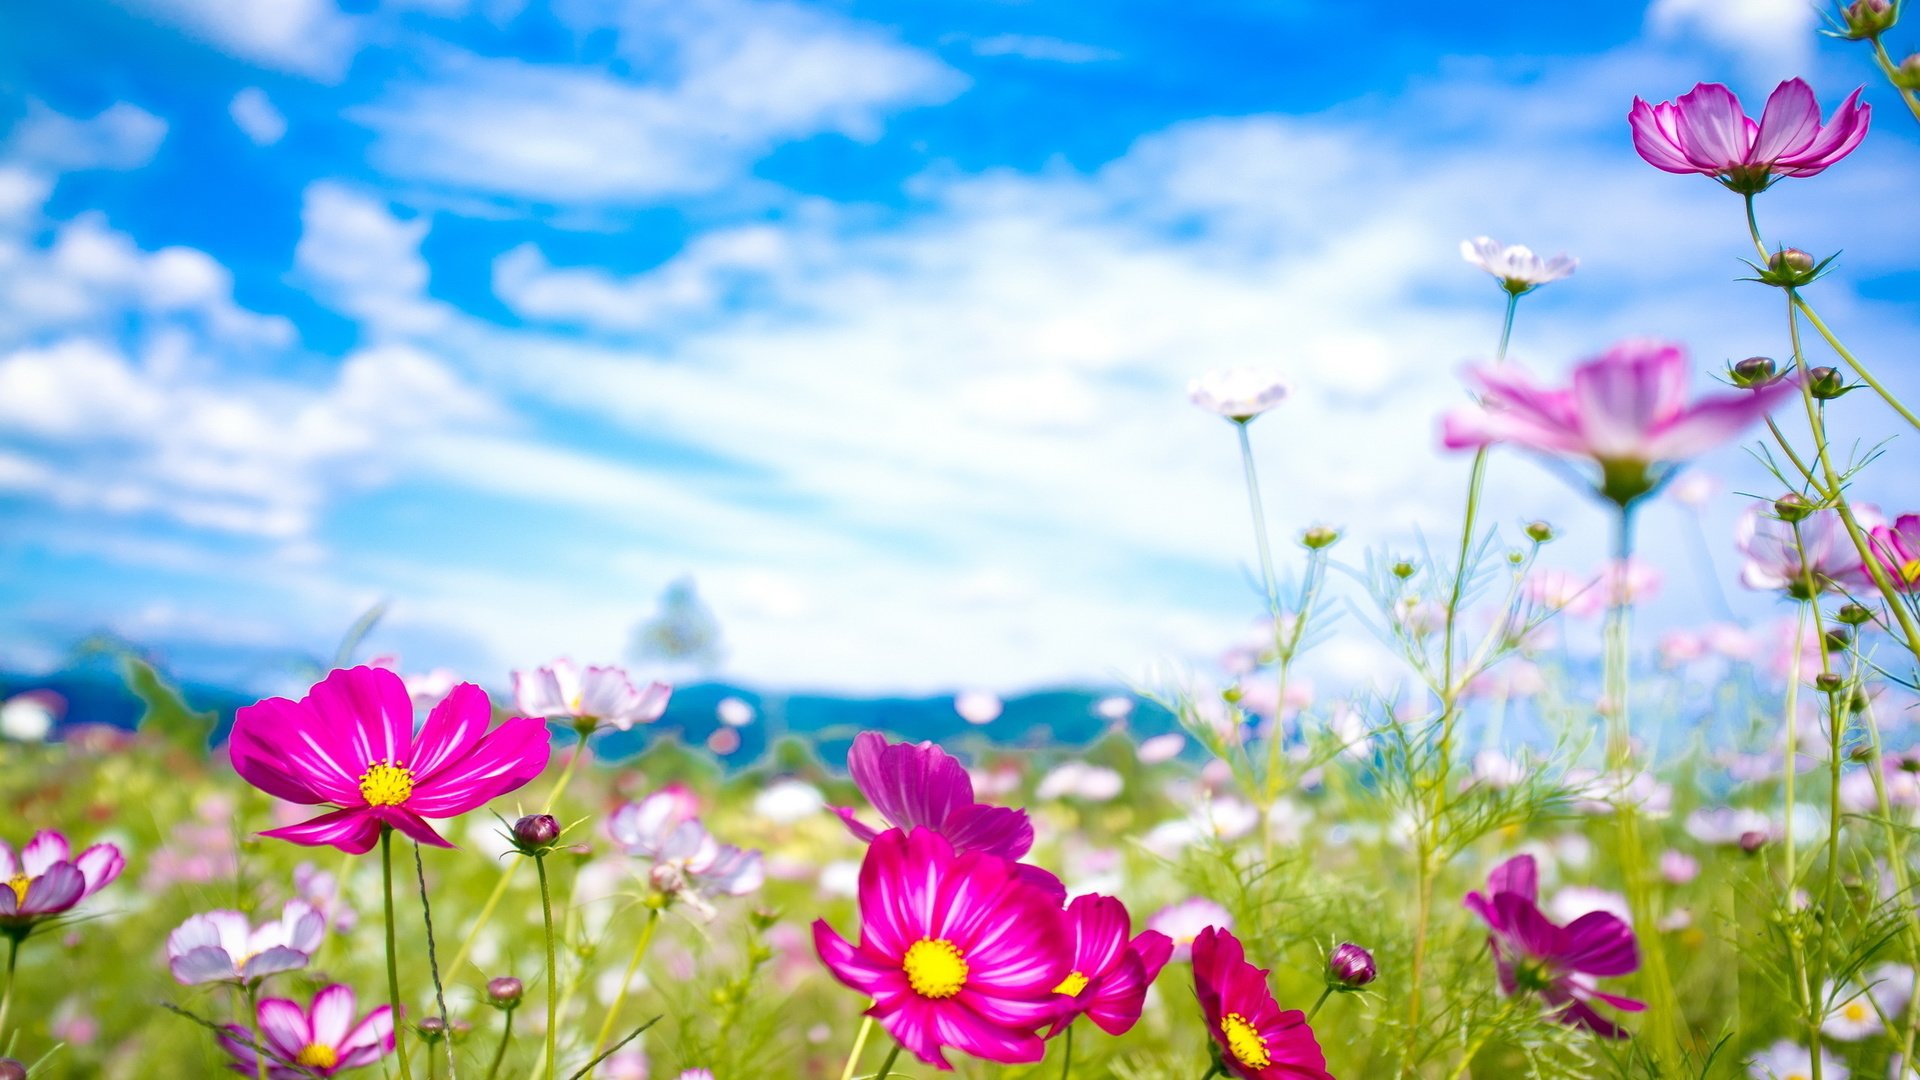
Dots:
pixel 835 349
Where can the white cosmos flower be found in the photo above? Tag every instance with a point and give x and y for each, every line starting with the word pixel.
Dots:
pixel 977 706
pixel 1239 394
pixel 1788 1060
pixel 598 695
pixel 1517 267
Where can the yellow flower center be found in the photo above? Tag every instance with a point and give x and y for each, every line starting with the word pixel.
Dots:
pixel 18 883
pixel 1855 1010
pixel 935 968
pixel 1910 571
pixel 386 785
pixel 1072 984
pixel 317 1056
pixel 1245 1041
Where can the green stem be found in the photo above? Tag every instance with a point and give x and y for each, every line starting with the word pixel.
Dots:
pixel 393 953
pixel 6 996
pixel 620 998
pixel 500 1055
pixel 253 1021
pixel 1315 1011
pixel 1066 1064
pixel 859 1045
pixel 1267 580
pixel 1890 68
pixel 553 964
pixel 1506 327
pixel 886 1067
pixel 1859 369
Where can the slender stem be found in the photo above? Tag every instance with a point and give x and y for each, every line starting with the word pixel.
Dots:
pixel 553 1001
pixel 1506 327
pixel 1315 1011
pixel 620 998
pixel 1267 580
pixel 859 1044
pixel 1753 230
pixel 1480 1039
pixel 393 953
pixel 513 865
pixel 433 964
pixel 500 1055
pixel 1066 1064
pixel 1792 754
pixel 6 996
pixel 886 1067
pixel 1887 65
pixel 1851 361
pixel 253 1021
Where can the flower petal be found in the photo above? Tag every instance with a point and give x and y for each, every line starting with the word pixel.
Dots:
pixel 505 759
pixel 354 830
pixel 452 728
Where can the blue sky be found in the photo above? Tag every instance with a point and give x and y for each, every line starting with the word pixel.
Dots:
pixel 874 317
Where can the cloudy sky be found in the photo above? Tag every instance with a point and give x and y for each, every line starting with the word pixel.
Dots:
pixel 875 316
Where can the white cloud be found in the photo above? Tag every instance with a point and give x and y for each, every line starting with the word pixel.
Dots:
pixel 714 268
pixel 254 114
pixel 1775 37
pixel 310 37
pixel 1029 47
pixel 122 136
pixel 726 81
pixel 363 260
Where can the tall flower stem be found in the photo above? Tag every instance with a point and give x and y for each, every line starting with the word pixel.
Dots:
pixel 1267 579
pixel 513 865
pixel 1887 65
pixel 500 1054
pixel 886 1067
pixel 1902 872
pixel 859 1045
pixel 252 996
pixel 6 996
pixel 1668 1042
pixel 1066 1063
pixel 553 964
pixel 620 998
pixel 393 953
pixel 1853 362
pixel 1315 1011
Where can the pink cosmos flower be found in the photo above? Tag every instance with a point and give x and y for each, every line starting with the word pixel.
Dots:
pixel 1110 976
pixel 688 863
pixel 596 696
pixel 1626 410
pixel 920 786
pixel 1533 954
pixel 955 950
pixel 46 880
pixel 350 742
pixel 302 1044
pixel 1897 548
pixel 1257 1039
pixel 221 946
pixel 1774 559
pixel 1707 132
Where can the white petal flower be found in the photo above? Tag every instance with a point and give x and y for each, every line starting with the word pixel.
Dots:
pixel 1239 394
pixel 1517 267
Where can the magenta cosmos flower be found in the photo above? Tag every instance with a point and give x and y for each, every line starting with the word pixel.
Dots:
pixel 1110 975
pixel 1897 548
pixel 1533 954
pixel 1253 1037
pixel 921 786
pixel 595 696
pixel 350 743
pixel 46 880
pixel 1707 132
pixel 323 1042
pixel 1626 410
pixel 955 950
pixel 1822 552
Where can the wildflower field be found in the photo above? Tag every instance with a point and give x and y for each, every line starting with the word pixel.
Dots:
pixel 1565 847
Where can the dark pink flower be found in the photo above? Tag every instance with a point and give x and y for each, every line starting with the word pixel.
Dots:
pixel 955 950
pixel 46 880
pixel 1110 974
pixel 1626 411
pixel 1707 132
pixel 1897 548
pixel 323 1041
pixel 350 743
pixel 1533 954
pixel 1256 1039
pixel 921 786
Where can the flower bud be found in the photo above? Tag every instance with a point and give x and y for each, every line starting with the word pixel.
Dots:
pixel 1320 536
pixel 11 1069
pixel 1837 638
pixel 1752 841
pixel 535 833
pixel 1351 966
pixel 432 1029
pixel 1864 20
pixel 1828 681
pixel 1539 532
pixel 505 992
pixel 1403 570
pixel 1790 259
pixel 1792 507
pixel 1854 614
pixel 1753 371
pixel 1907 75
pixel 1826 383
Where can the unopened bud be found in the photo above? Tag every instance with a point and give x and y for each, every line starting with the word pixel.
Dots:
pixel 1539 532
pixel 505 992
pixel 1352 966
pixel 535 833
pixel 1828 681
pixel 1752 841
pixel 1790 259
pixel 1907 75
pixel 11 1069
pixel 1753 371
pixel 1838 637
pixel 1403 570
pixel 1826 383
pixel 1864 20
pixel 1320 536
pixel 1792 507
pixel 433 1029
pixel 1853 614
